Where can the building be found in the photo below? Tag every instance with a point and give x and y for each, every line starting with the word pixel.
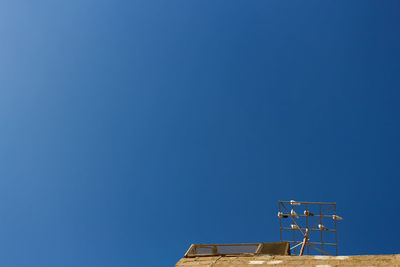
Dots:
pixel 273 254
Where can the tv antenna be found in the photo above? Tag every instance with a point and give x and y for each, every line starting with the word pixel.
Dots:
pixel 306 225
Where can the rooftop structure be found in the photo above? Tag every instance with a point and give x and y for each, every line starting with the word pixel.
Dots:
pixel 249 249
pixel 310 227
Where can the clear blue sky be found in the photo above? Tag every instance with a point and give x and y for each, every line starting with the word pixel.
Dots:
pixel 131 129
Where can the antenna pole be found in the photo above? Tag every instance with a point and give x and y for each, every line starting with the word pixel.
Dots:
pixel 280 222
pixel 305 240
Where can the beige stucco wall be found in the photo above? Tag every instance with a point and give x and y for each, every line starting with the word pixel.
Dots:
pixel 304 261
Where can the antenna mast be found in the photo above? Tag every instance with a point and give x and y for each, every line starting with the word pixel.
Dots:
pixel 305 224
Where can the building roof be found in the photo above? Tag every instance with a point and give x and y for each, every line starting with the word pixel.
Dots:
pixel 264 261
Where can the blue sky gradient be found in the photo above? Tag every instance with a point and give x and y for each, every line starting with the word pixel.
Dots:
pixel 131 129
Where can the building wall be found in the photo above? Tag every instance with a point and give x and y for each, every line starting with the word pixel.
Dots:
pixel 303 261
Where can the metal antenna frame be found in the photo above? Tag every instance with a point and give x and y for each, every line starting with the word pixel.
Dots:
pixel 285 214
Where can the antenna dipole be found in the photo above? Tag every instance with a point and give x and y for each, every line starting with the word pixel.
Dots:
pixel 300 223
